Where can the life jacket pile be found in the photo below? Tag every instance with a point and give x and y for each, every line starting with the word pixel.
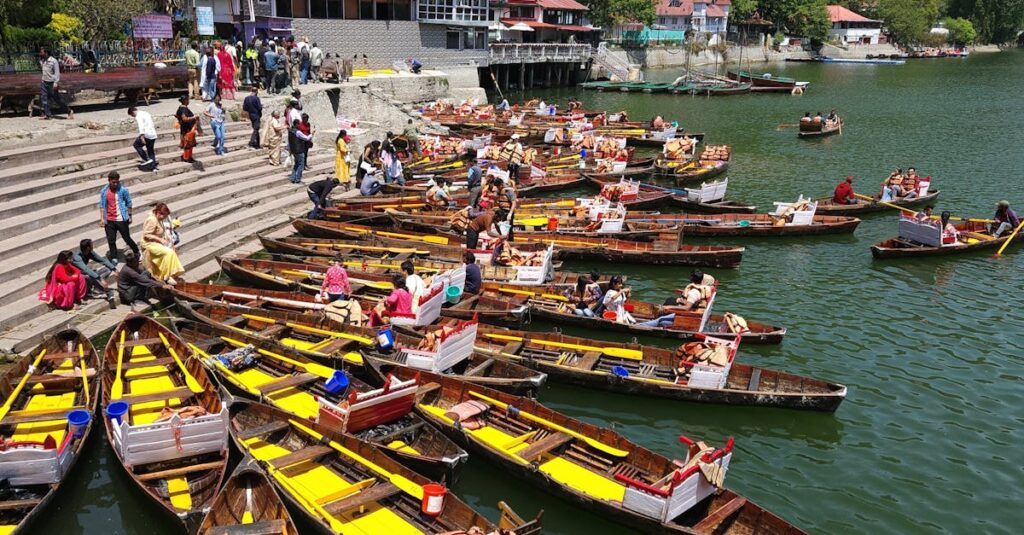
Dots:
pixel 460 220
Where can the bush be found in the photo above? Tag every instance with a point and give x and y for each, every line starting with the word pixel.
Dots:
pixel 778 38
pixel 961 31
pixel 68 28
pixel 15 37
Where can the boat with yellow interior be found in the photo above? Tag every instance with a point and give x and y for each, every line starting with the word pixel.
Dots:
pixel 248 505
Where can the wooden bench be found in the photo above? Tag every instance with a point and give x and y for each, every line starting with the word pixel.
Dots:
pixel 40 415
pixel 296 457
pixel 375 493
pixel 480 368
pixel 182 393
pixel 178 472
pixel 544 445
pixel 512 348
pixel 142 342
pixel 287 381
pixel 719 515
pixel 272 427
pixel 18 504
pixel 61 356
pixel 755 380
pixel 163 361
pixel 267 527
pixel 589 360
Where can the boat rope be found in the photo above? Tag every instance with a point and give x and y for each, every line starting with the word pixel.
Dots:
pixel 176 430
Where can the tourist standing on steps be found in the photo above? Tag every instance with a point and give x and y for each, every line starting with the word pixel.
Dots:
pixel 116 214
pixel 192 58
pixel 226 77
pixel 306 128
pixel 215 111
pixel 51 78
pixel 273 136
pixel 341 169
pixel 297 146
pixel 254 108
pixel 316 60
pixel 412 137
pixel 188 125
pixel 145 143
pixel 209 70
pixel 270 71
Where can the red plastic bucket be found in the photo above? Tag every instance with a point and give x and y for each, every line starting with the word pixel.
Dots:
pixel 433 499
pixel 610 315
pixel 552 223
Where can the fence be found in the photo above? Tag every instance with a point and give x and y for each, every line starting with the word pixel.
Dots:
pixel 538 52
pixel 108 54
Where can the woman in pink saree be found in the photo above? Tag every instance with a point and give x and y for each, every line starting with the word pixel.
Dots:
pixel 65 284
pixel 226 83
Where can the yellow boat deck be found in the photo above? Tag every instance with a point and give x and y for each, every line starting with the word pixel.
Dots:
pixel 565 472
pixel 313 482
pixel 38 431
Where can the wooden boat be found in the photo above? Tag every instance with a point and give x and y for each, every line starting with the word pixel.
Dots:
pixel 248 504
pixel 288 381
pixel 453 354
pixel 828 207
pixel 918 239
pixel 752 225
pixel 540 226
pixel 39 391
pixel 547 302
pixel 593 467
pixel 344 485
pixel 820 129
pixel 300 246
pixel 667 251
pixel 720 89
pixel 654 371
pixel 724 206
pixel 172 440
pixel 765 80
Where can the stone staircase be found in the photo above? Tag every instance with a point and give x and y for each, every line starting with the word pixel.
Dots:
pixel 611 64
pixel 49 202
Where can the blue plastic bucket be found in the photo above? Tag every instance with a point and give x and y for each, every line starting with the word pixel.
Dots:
pixel 385 339
pixel 116 410
pixel 620 371
pixel 338 383
pixel 453 294
pixel 78 420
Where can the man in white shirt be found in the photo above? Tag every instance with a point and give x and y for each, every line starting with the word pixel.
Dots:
pixel 209 72
pixel 147 137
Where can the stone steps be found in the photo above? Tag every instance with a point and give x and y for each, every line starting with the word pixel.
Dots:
pixel 71 148
pixel 35 320
pixel 30 197
pixel 196 202
pixel 56 161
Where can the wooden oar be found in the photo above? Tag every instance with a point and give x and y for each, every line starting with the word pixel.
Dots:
pixel 615 452
pixel 787 125
pixel 1010 239
pixel 190 381
pixel 618 352
pixel 554 297
pixel 407 486
pixel 909 211
pixel 21 384
pixel 118 387
pixel 85 380
pixel 311 367
pixel 309 504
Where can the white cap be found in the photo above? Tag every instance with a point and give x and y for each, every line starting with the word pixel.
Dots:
pixel 515 136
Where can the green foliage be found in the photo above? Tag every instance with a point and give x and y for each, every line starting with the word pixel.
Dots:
pixel 961 31
pixel 16 37
pixel 68 29
pixel 798 17
pixel 103 19
pixel 908 21
pixel 998 21
pixel 936 40
pixel 778 38
pixel 608 13
pixel 741 10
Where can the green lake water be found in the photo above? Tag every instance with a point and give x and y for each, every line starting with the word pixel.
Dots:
pixel 929 438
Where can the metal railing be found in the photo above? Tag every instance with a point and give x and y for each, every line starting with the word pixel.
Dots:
pixel 539 52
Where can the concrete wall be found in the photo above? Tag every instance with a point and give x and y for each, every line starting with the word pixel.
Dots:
pixel 855 51
pixel 653 57
pixel 385 42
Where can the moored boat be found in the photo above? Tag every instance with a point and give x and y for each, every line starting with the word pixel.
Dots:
pixel 42 393
pixel 164 418
pixel 766 81
pixel 634 369
pixel 593 467
pixel 754 225
pixel 344 485
pixel 820 128
pixel 248 504
pixel 309 391
pixel 547 303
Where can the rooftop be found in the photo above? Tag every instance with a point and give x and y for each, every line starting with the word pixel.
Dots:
pixel 841 14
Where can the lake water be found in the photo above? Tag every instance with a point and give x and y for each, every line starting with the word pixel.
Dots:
pixel 928 440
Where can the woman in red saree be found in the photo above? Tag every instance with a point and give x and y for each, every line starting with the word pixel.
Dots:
pixel 226 83
pixel 65 284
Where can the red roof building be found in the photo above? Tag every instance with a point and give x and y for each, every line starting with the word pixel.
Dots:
pixel 697 15
pixel 552 21
pixel 849 27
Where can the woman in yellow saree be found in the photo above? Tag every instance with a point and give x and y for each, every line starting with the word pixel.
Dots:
pixel 160 256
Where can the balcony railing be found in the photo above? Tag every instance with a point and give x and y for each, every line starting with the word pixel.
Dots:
pixel 539 52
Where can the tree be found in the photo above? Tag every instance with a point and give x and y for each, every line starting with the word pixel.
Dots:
pixel 741 10
pixel 68 29
pixel 961 31
pixel 800 17
pixel 104 19
pixel 998 21
pixel 608 13
pixel 908 21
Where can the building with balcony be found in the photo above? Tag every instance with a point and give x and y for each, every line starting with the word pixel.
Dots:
pixel 677 17
pixel 543 21
pixel 849 27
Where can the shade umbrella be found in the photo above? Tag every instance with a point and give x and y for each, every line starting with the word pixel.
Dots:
pixel 497 27
pixel 521 27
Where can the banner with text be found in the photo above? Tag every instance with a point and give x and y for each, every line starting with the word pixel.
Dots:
pixel 152 27
pixel 204 20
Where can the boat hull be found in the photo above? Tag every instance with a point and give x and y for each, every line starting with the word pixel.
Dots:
pixel 826 208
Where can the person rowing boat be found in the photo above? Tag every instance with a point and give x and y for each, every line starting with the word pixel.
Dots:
pixel 1005 219
pixel 844 192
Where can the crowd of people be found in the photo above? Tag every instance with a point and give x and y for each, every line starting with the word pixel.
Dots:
pixel 151 263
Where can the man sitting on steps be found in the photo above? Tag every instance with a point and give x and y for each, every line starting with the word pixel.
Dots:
pixel 98 279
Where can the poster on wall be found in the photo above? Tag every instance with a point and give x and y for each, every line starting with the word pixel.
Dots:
pixel 152 26
pixel 204 20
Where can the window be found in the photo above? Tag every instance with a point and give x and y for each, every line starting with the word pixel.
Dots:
pixel 454 10
pixel 675 21
pixel 366 9
pixel 318 9
pixel 661 20
pixel 520 12
pixel 284 8
pixel 452 39
pixel 351 9
pixel 334 9
pixel 299 9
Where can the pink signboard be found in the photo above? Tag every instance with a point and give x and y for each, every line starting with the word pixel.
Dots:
pixel 152 26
